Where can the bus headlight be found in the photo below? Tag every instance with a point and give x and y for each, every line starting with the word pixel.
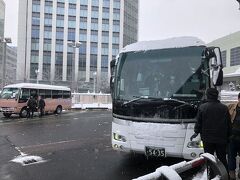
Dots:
pixel 195 144
pixel 118 137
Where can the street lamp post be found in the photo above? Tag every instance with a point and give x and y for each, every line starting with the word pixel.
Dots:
pixel 37 73
pixel 4 41
pixel 94 82
pixel 75 45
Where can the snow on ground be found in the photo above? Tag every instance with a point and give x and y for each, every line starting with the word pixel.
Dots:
pixel 92 106
pixel 25 160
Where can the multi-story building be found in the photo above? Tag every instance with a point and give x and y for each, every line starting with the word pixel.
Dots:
pixel 102 27
pixel 11 65
pixel 230 47
pixel 2 17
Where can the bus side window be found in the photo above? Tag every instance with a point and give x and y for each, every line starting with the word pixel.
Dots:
pixel 24 96
pixel 33 92
pixel 42 93
pixel 56 94
pixel 66 94
pixel 48 94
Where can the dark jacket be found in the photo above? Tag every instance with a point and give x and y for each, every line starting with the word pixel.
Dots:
pixel 32 103
pixel 213 122
pixel 235 133
pixel 41 103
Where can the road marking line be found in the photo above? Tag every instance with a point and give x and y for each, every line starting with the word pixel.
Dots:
pixel 47 144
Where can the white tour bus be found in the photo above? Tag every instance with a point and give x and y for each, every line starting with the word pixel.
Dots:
pixel 157 87
pixel 13 98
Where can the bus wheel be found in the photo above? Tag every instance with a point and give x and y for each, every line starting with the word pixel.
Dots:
pixel 59 110
pixel 23 113
pixel 7 114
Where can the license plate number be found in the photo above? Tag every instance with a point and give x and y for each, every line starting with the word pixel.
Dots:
pixel 155 152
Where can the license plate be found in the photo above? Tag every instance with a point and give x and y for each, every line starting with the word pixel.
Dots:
pixel 155 152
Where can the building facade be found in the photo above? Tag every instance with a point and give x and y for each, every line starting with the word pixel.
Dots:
pixel 11 65
pixel 46 27
pixel 2 19
pixel 230 47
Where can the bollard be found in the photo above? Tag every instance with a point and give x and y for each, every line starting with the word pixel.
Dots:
pixel 215 169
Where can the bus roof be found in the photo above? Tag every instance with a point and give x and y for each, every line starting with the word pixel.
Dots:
pixel 37 86
pixel 177 42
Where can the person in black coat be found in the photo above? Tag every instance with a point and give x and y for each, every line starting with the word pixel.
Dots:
pixel 213 124
pixel 41 106
pixel 31 106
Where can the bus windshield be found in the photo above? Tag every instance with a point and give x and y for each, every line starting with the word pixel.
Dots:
pixel 166 73
pixel 9 93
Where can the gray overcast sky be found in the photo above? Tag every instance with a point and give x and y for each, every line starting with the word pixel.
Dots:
pixel 160 19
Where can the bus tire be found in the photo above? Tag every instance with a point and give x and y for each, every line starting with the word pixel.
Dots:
pixel 23 113
pixel 7 115
pixel 58 110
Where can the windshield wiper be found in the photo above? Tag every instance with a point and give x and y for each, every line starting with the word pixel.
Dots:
pixel 137 98
pixel 184 103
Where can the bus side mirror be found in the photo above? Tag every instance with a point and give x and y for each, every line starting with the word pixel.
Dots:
pixel 215 63
pixel 112 64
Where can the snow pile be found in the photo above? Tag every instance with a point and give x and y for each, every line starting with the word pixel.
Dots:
pixel 25 160
pixel 92 106
pixel 201 176
pixel 178 42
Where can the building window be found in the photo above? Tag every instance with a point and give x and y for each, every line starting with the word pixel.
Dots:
pixel 105 25
pixel 36 8
pixel 71 34
pixel 95 2
pixel 115 39
pixel 34 56
pixel 47 46
pixel 83 48
pixel 93 62
pixel 71 24
pixel 35 31
pixel 105 37
pixel 72 11
pixel 94 12
pixel 115 49
pixel 83 11
pixel 83 35
pixel 60 23
pixel 235 56
pixel 105 14
pixel 105 49
pixel 36 19
pixel 59 33
pixel 47 32
pixel 104 63
pixel 94 36
pixel 48 9
pixel 82 62
pixel 33 68
pixel 224 58
pixel 116 14
pixel 116 4
pixel 94 48
pixel 35 44
pixel 106 3
pixel 84 2
pixel 48 20
pixel 60 10
pixel 116 26
pixel 46 57
pixel 94 24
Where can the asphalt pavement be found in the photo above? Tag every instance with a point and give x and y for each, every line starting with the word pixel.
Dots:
pixel 73 145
